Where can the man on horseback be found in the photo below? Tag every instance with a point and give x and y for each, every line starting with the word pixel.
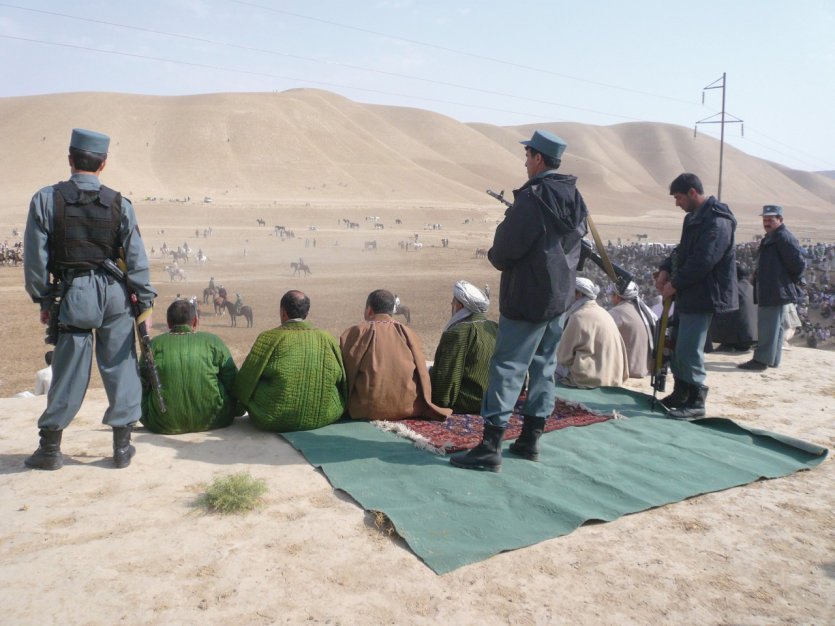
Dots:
pixel 239 302
pixel 72 228
pixel 221 292
pixel 212 284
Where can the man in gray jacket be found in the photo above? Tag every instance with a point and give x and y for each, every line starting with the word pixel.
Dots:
pixel 72 228
pixel 536 248
pixel 780 267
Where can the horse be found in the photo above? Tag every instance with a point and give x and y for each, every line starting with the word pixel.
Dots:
pixel 298 268
pixel 175 272
pixel 405 312
pixel 481 253
pixel 370 245
pixel 179 255
pixel 209 293
pixel 246 313
pixel 220 304
pixel 261 222
pixel 201 258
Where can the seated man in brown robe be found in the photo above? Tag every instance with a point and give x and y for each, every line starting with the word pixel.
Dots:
pixel 385 367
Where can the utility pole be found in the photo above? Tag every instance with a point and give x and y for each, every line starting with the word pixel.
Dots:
pixel 719 83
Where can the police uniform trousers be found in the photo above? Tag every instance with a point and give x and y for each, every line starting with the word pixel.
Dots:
pixel 522 348
pixel 94 301
pixel 688 359
pixel 769 335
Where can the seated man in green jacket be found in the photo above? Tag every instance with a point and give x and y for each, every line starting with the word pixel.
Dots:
pixel 197 373
pixel 462 359
pixel 293 378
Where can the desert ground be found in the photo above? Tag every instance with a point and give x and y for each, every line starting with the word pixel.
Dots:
pixel 91 545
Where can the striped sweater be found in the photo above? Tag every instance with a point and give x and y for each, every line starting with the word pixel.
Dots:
pixel 462 362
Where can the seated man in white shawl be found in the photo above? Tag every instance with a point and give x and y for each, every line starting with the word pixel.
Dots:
pixel 462 360
pixel 591 352
pixel 636 323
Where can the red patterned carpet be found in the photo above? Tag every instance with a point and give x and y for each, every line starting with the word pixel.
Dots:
pixel 462 432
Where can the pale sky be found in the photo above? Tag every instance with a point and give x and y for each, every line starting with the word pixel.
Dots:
pixel 502 62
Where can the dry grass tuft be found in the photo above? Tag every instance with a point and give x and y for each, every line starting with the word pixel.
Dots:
pixel 235 493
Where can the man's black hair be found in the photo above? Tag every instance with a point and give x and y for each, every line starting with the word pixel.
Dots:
pixel 48 357
pixel 381 301
pixel 180 312
pixel 552 163
pixel 87 161
pixel 295 304
pixel 683 183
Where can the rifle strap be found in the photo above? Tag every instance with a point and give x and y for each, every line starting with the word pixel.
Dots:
pixel 607 264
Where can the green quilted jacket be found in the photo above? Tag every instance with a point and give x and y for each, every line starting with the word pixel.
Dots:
pixel 293 379
pixel 197 371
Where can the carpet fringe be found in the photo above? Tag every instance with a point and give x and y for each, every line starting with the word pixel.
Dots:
pixel 421 442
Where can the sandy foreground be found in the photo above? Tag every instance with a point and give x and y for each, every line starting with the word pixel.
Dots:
pixel 92 545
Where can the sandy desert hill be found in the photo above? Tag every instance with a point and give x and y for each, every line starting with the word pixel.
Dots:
pixel 313 146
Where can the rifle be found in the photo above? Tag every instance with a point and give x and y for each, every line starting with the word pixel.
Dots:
pixel 56 294
pixel 663 351
pixel 615 272
pixel 142 328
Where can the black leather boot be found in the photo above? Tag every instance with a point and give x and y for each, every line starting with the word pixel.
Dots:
pixel 485 456
pixel 679 397
pixel 527 445
pixel 48 455
pixel 695 406
pixel 122 450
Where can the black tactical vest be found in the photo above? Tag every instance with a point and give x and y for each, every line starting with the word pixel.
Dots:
pixel 85 227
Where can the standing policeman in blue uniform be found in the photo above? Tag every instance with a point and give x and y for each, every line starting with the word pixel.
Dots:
pixel 72 228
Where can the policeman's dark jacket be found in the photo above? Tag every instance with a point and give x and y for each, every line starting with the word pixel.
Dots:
pixel 780 265
pixel 703 266
pixel 537 248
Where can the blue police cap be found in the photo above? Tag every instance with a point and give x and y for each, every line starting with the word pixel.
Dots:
pixel 772 209
pixel 546 143
pixel 89 141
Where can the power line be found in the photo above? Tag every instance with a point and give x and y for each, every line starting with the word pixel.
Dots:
pixel 268 75
pixel 460 52
pixel 490 92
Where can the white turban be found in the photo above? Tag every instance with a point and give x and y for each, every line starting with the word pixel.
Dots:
pixel 586 287
pixel 470 296
pixel 630 292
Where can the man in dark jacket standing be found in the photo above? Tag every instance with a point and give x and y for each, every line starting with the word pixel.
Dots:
pixel 536 248
pixel 780 266
pixel 701 274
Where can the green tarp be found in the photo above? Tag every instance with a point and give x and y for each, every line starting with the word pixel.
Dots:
pixel 451 517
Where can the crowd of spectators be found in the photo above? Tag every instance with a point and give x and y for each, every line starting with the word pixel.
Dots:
pixel 814 309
